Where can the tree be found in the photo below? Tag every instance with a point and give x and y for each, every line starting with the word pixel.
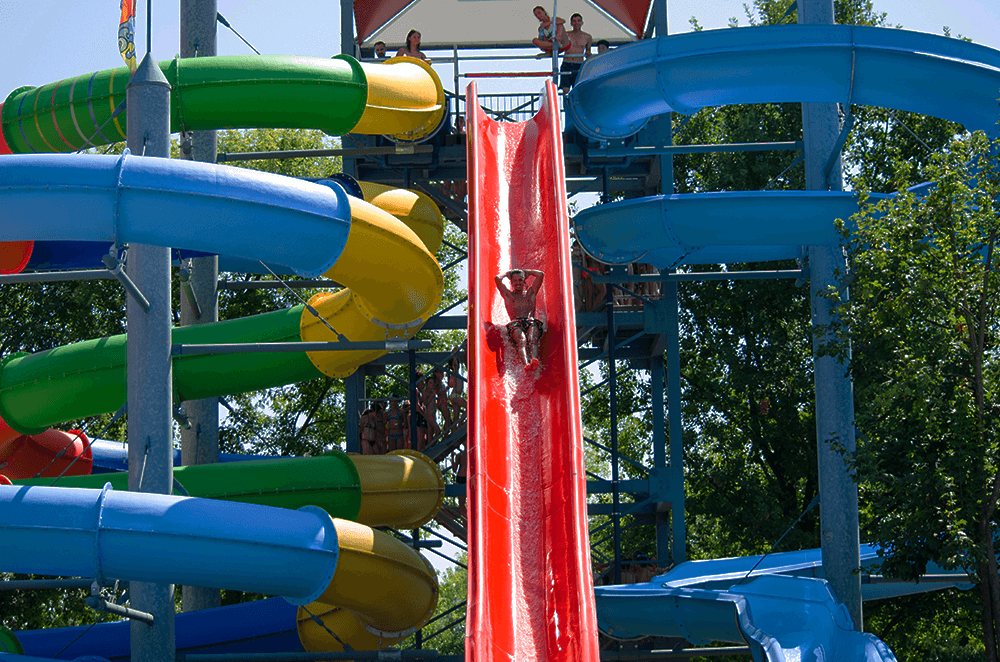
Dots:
pixel 922 320
pixel 446 631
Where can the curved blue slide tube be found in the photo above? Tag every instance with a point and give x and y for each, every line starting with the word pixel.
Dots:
pixel 846 64
pixel 781 618
pixel 706 228
pixel 780 602
pixel 169 202
pixel 156 538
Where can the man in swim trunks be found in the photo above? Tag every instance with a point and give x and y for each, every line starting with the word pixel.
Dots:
pixel 579 48
pixel 523 329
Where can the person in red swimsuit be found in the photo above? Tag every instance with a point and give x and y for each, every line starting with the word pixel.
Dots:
pixel 524 330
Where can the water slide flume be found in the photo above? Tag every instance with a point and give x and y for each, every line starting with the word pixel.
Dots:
pixel 395 283
pixel 846 64
pixel 530 585
pixel 129 199
pixel 417 211
pixel 303 555
pixel 403 489
pixel 708 228
pixel 402 98
pixel 938 76
pixel 778 604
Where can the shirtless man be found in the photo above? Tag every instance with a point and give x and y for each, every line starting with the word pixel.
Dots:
pixel 544 38
pixel 523 329
pixel 579 48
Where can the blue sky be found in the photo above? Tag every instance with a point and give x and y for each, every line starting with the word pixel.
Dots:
pixel 47 40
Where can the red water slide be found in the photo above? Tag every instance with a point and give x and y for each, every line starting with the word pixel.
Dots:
pixel 530 585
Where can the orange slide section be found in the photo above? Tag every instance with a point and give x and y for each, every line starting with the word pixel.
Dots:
pixel 530 585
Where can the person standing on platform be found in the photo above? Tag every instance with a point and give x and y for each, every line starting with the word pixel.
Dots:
pixel 579 48
pixel 412 48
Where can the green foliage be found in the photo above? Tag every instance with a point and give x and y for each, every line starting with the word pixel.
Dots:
pixel 750 441
pixel 944 626
pixel 922 321
pixel 33 610
pixel 233 141
pixel 40 316
pixel 446 631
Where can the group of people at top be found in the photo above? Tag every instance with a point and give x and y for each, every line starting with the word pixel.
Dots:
pixel 412 47
pixel 575 44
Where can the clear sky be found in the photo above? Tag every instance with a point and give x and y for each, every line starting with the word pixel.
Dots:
pixel 42 41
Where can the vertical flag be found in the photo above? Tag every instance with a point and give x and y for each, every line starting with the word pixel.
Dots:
pixel 126 34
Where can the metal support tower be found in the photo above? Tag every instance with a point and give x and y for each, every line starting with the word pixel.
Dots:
pixel 200 442
pixel 354 393
pixel 834 390
pixel 348 44
pixel 150 422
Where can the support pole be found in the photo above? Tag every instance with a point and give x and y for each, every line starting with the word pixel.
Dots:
pixel 678 549
pixel 834 390
pixel 150 426
pixel 348 44
pixel 354 392
pixel 200 442
pixel 661 130
pixel 613 404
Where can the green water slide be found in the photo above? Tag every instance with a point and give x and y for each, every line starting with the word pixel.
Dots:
pixel 88 378
pixel 329 481
pixel 336 95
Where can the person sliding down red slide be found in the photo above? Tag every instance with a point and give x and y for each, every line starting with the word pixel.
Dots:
pixel 523 329
pixel 531 595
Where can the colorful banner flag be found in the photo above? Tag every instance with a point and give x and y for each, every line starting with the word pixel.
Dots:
pixel 126 34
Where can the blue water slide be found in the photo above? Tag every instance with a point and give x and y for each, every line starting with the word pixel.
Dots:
pixel 110 456
pixel 779 603
pixel 846 64
pixel 135 536
pixel 170 202
pixel 934 75
pixel 780 618
pixel 263 626
pixel 723 573
pixel 707 228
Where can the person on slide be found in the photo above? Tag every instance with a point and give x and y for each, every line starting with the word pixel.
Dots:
pixel 524 331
